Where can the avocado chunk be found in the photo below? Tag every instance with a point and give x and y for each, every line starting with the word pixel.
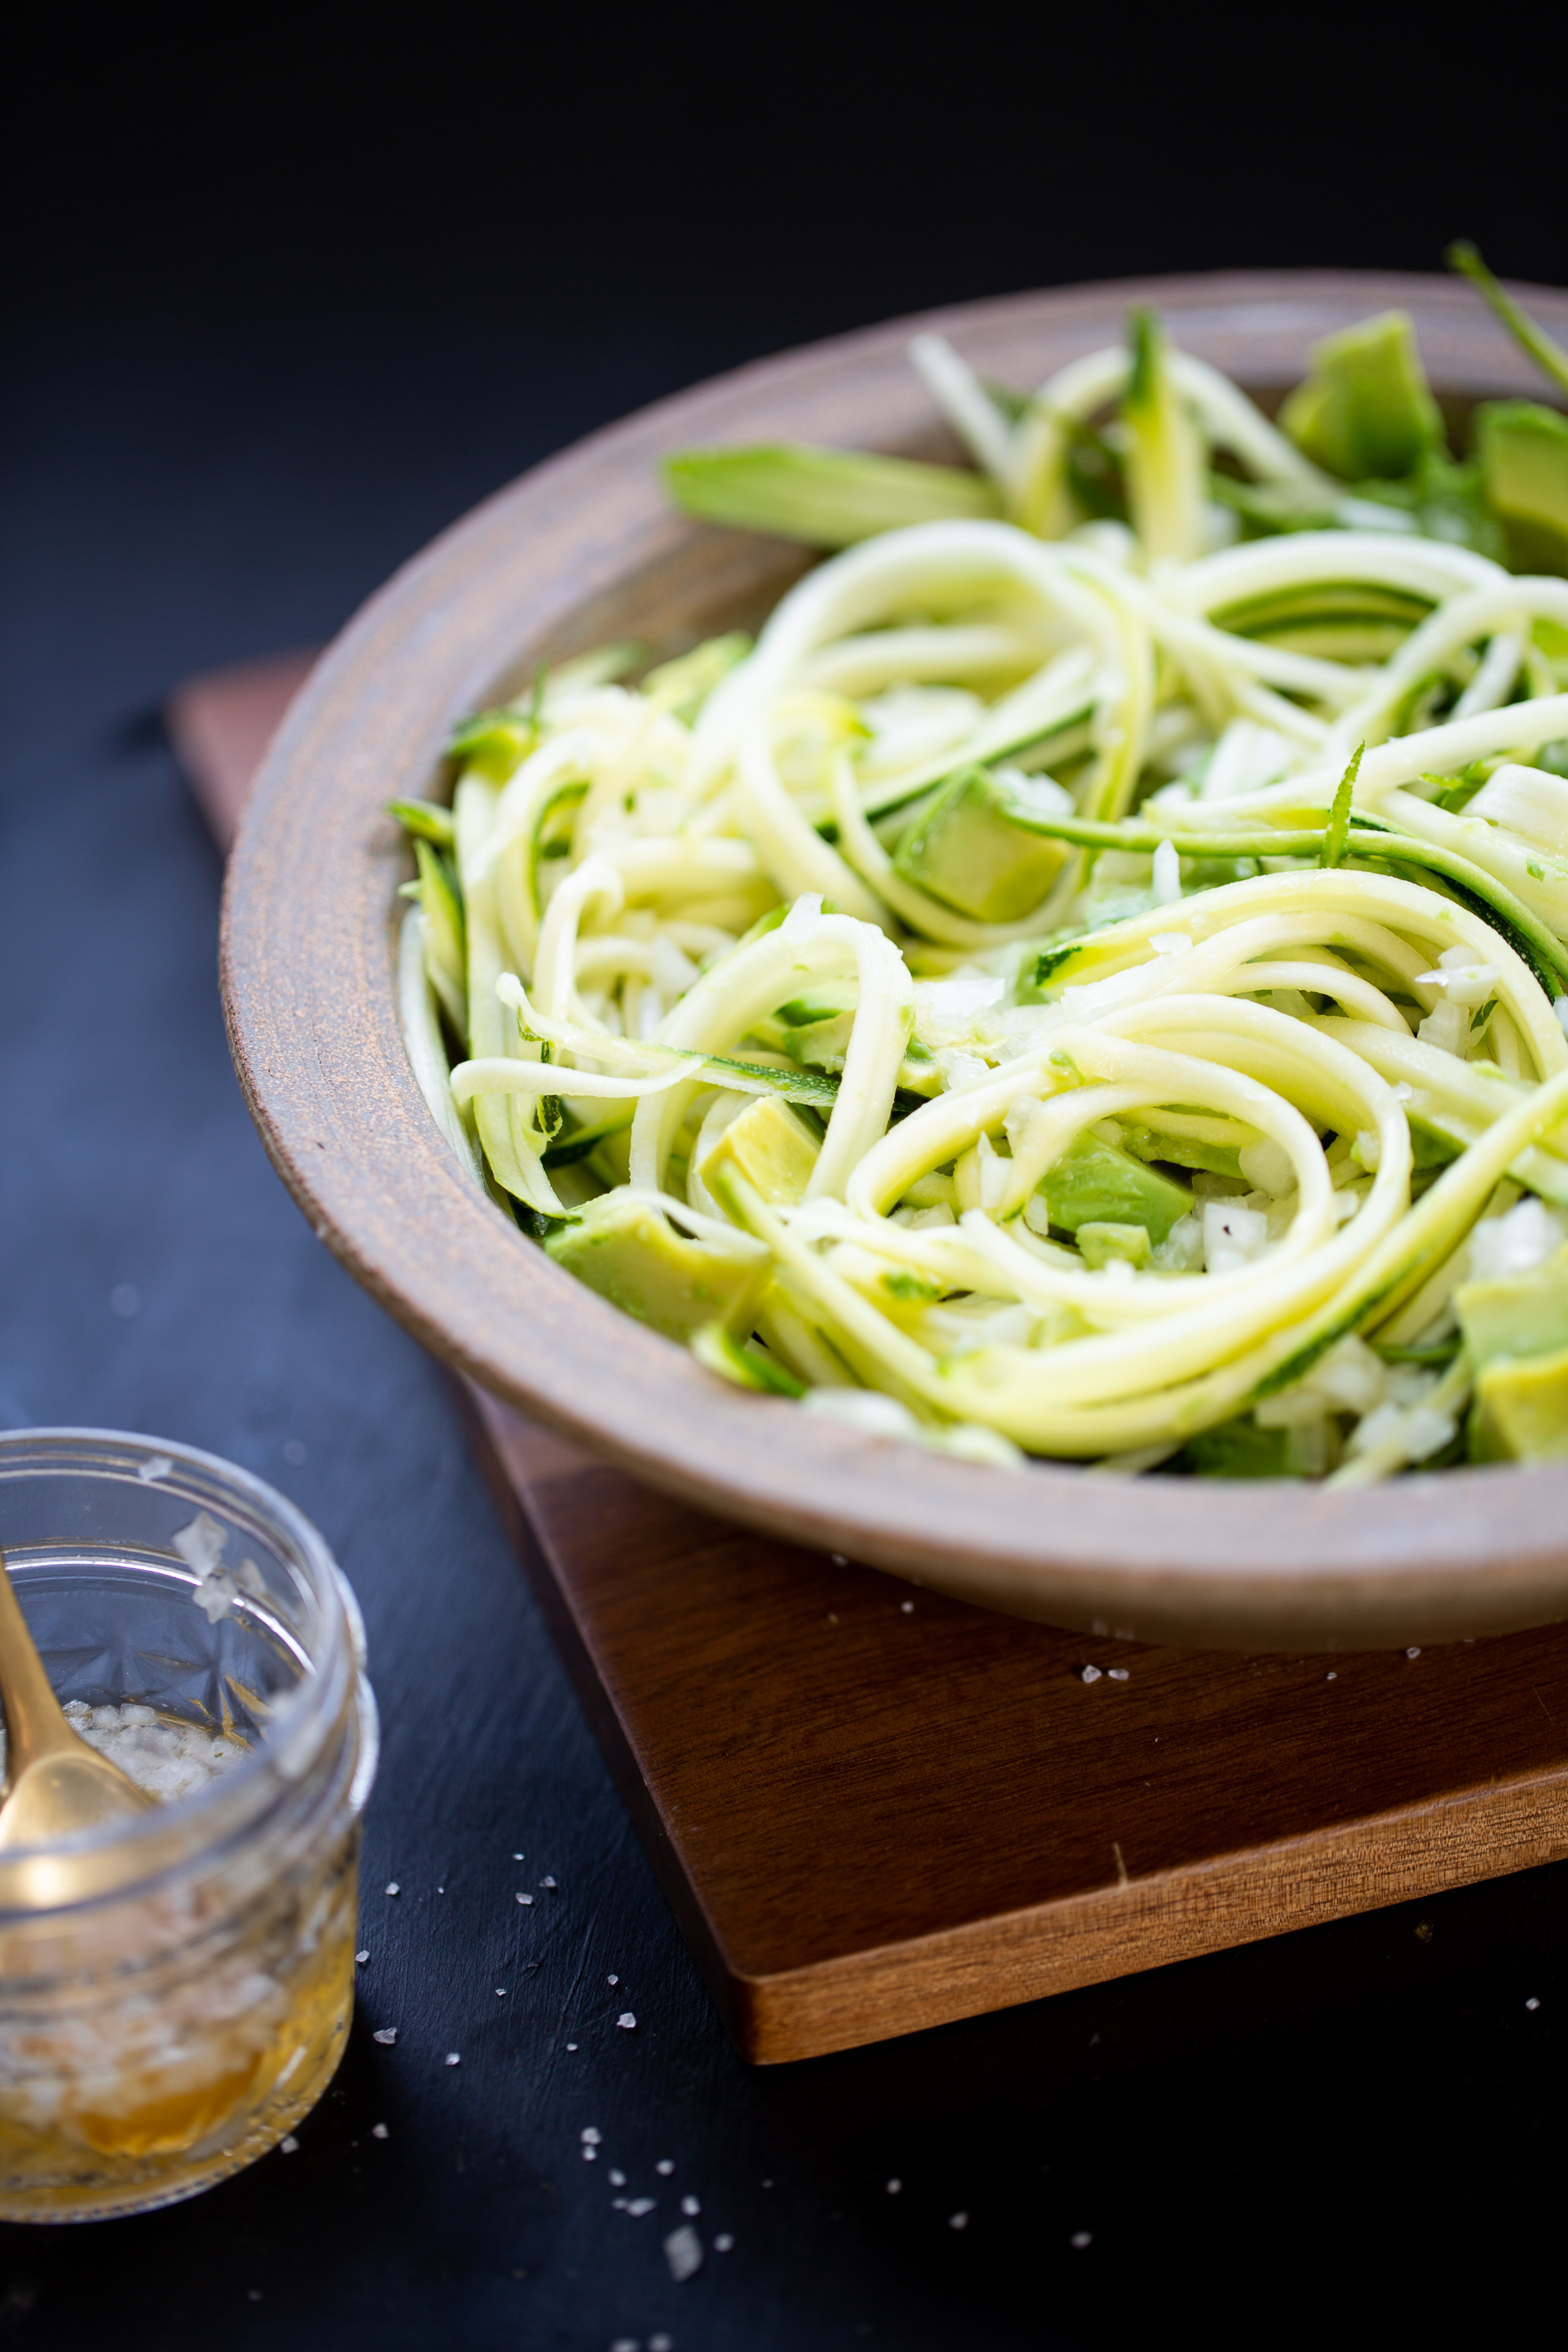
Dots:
pixel 1182 1151
pixel 767 1144
pixel 1366 409
pixel 814 1029
pixel 1100 1244
pixel 969 849
pixel 1097 1183
pixel 1523 450
pixel 1516 1315
pixel 1520 1412
pixel 1236 1449
pixel 629 1253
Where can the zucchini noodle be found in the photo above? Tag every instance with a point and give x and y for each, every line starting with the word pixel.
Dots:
pixel 1075 986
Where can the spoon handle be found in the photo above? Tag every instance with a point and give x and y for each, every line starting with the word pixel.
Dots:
pixel 33 1723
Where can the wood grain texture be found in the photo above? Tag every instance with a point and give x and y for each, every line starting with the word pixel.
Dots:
pixel 582 549
pixel 872 1817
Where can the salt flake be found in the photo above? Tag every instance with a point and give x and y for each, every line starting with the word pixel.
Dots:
pixel 683 2252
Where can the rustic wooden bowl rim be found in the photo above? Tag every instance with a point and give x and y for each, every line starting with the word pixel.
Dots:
pixel 308 994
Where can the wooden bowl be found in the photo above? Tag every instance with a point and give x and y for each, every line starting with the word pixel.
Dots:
pixel 584 550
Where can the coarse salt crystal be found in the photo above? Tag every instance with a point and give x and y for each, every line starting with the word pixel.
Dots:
pixel 525 1898
pixel 454 2058
pixel 1081 2238
pixel 958 2220
pixel 1090 1674
pixel 1413 1653
pixel 386 2033
pixel 590 2156
pixel 361 1958
pixel 547 1881
pixel 570 2045
pixel 723 2243
pixel 628 2018
pixel 379 2131
pixel 590 2135
pixel 156 1467
pixel 1533 2002
pixel 894 2187
pixel 392 1887
pixel 908 1606
pixel 637 2206
pixel 1118 1673
pixel 288 2145
pixel 612 1980
pixel 618 2179
pixel 683 2252
pixel 691 2206
pixel 665 2165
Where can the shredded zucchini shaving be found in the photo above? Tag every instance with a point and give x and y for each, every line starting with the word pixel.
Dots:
pixel 1089 982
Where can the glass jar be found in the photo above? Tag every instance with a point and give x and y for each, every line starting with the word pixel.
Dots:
pixel 175 1991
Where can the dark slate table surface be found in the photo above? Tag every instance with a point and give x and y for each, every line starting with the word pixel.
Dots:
pixel 1359 2121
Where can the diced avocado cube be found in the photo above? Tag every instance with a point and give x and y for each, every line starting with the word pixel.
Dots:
pixel 630 1254
pixel 1365 410
pixel 1182 1151
pixel 1098 1243
pixel 812 1029
pixel 967 848
pixel 1518 1314
pixel 1097 1183
pixel 1523 451
pixel 1237 1449
pixel 1520 1412
pixel 769 1147
pixel 821 1045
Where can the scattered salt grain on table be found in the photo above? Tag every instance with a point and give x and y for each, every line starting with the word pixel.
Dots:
pixel 683 2252
pixel 666 2165
pixel 454 2058
pixel 386 2033
pixel 288 2145
pixel 361 1958
pixel 392 1887
pixel 691 2207
pixel 379 2131
pixel 894 2187
pixel 723 2243
pixel 628 2018
pixel 1090 1673
pixel 525 1898
pixel 590 2135
pixel 1533 2002
pixel 637 2206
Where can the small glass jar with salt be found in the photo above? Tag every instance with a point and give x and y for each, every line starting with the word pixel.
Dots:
pixel 175 1989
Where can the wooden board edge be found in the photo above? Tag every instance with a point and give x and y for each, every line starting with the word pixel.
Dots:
pixel 1120 1930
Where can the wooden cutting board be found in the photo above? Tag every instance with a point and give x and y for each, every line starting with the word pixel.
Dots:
pixel 874 1810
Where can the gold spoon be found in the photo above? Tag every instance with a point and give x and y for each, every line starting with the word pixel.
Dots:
pixel 57 1785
